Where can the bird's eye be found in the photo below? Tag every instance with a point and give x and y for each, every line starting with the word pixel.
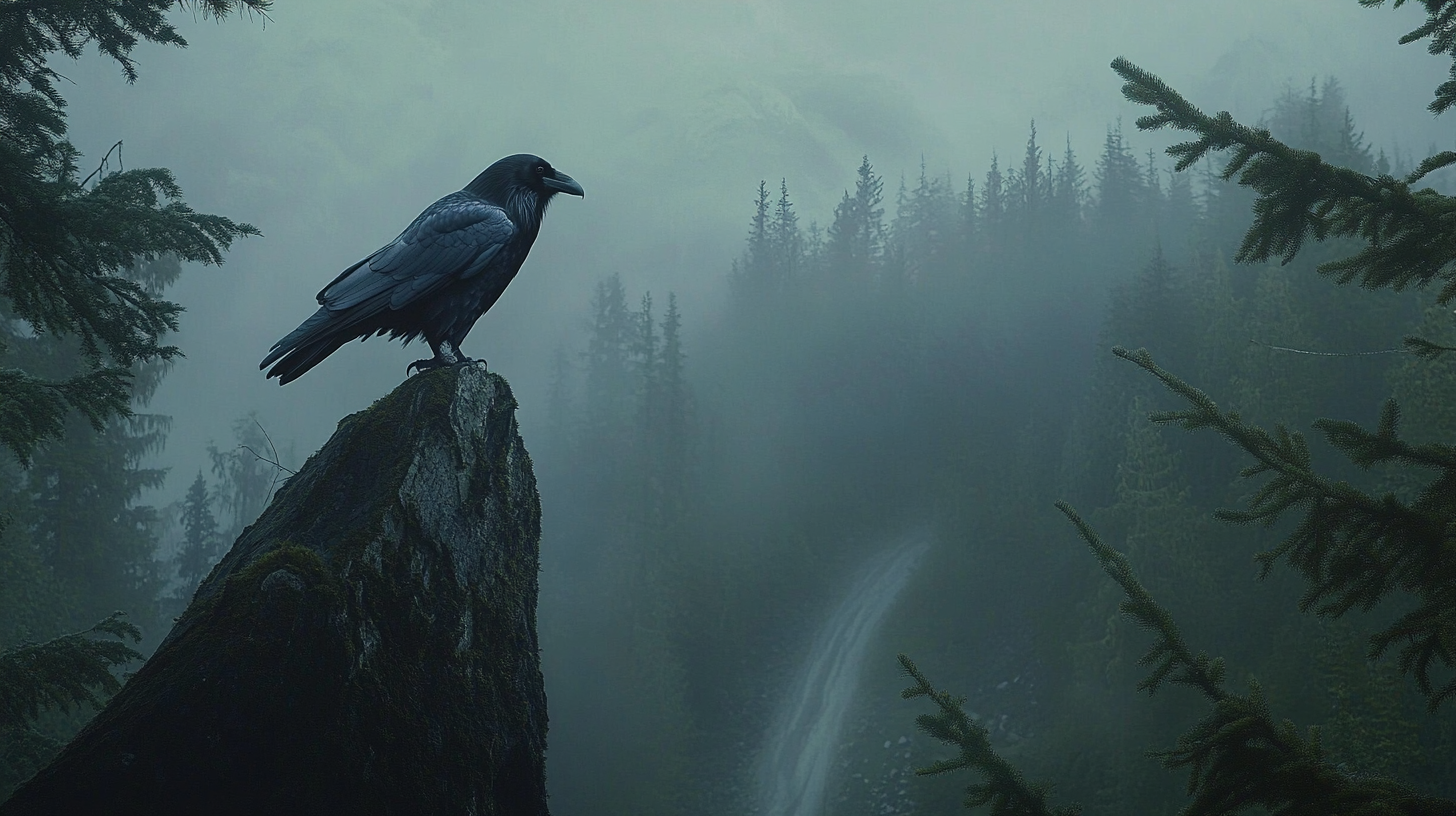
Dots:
pixel 540 170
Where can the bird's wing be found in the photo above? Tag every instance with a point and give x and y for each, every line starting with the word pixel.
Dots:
pixel 453 239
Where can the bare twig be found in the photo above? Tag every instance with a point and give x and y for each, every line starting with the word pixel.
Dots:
pixel 116 148
pixel 274 461
pixel 1332 353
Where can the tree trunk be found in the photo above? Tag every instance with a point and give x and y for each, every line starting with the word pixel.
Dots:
pixel 367 646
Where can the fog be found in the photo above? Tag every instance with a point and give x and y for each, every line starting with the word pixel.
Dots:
pixel 821 432
pixel 329 126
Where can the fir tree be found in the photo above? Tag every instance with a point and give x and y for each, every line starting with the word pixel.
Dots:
pixel 76 259
pixel 1118 181
pixel 855 241
pixel 199 534
pixel 758 260
pixel 1068 190
pixel 1354 549
pixel 924 227
pixel 992 210
pixel 784 237
pixel 77 504
pixel 1302 198
pixel 67 248
pixel 646 354
pixel 1027 187
pixel 969 226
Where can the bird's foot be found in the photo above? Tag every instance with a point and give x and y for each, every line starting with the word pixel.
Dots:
pixel 425 365
pixel 438 362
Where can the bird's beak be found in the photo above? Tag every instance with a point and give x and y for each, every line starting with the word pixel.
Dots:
pixel 563 183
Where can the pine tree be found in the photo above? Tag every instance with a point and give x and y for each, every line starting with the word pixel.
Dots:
pixel 758 259
pixel 76 505
pixel 1180 213
pixel 967 208
pixel 629 494
pixel 1118 183
pixel 1068 191
pixel 855 242
pixel 199 534
pixel 784 238
pixel 1353 548
pixel 993 209
pixel 1027 186
pixel 646 358
pixel 77 261
pixel 68 248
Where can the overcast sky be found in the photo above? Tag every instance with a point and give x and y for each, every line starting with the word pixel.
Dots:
pixel 333 124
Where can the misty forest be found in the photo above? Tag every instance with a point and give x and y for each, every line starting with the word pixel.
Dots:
pixel 915 428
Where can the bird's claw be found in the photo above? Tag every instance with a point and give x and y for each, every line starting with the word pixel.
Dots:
pixel 423 365
pixel 435 362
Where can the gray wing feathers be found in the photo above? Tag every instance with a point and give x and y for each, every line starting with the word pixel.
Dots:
pixel 316 322
pixel 454 239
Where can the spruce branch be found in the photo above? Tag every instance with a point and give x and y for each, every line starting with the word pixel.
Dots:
pixel 1426 349
pixel 68 252
pixel 1353 548
pixel 1004 789
pixel 1408 235
pixel 1170 656
pixel 72 670
pixel 1440 26
pixel 32 409
pixel 1238 756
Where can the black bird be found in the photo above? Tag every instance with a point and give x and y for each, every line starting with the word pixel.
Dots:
pixel 438 277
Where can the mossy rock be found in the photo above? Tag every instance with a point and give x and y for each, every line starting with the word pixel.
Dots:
pixel 367 646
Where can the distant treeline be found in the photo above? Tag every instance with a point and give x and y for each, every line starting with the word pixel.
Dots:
pixel 941 361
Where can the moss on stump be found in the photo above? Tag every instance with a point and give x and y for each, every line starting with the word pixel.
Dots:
pixel 367 646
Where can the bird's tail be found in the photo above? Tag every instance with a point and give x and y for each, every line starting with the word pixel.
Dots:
pixel 304 347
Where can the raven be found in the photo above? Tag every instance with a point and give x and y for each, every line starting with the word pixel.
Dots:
pixel 438 277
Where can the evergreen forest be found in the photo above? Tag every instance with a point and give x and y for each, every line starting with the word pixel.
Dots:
pixel 1224 366
pixel 936 357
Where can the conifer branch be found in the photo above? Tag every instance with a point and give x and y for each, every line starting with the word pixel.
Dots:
pixel 1238 757
pixel 1352 548
pixel 1170 656
pixel 1303 198
pixel 1440 26
pixel 68 253
pixel 1426 349
pixel 72 670
pixel 32 409
pixel 1004 789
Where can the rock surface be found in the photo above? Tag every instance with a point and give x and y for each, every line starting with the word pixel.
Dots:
pixel 367 646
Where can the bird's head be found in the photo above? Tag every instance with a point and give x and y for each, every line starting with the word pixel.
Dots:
pixel 515 180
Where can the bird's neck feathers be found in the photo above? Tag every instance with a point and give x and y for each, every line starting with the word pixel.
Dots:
pixel 524 205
